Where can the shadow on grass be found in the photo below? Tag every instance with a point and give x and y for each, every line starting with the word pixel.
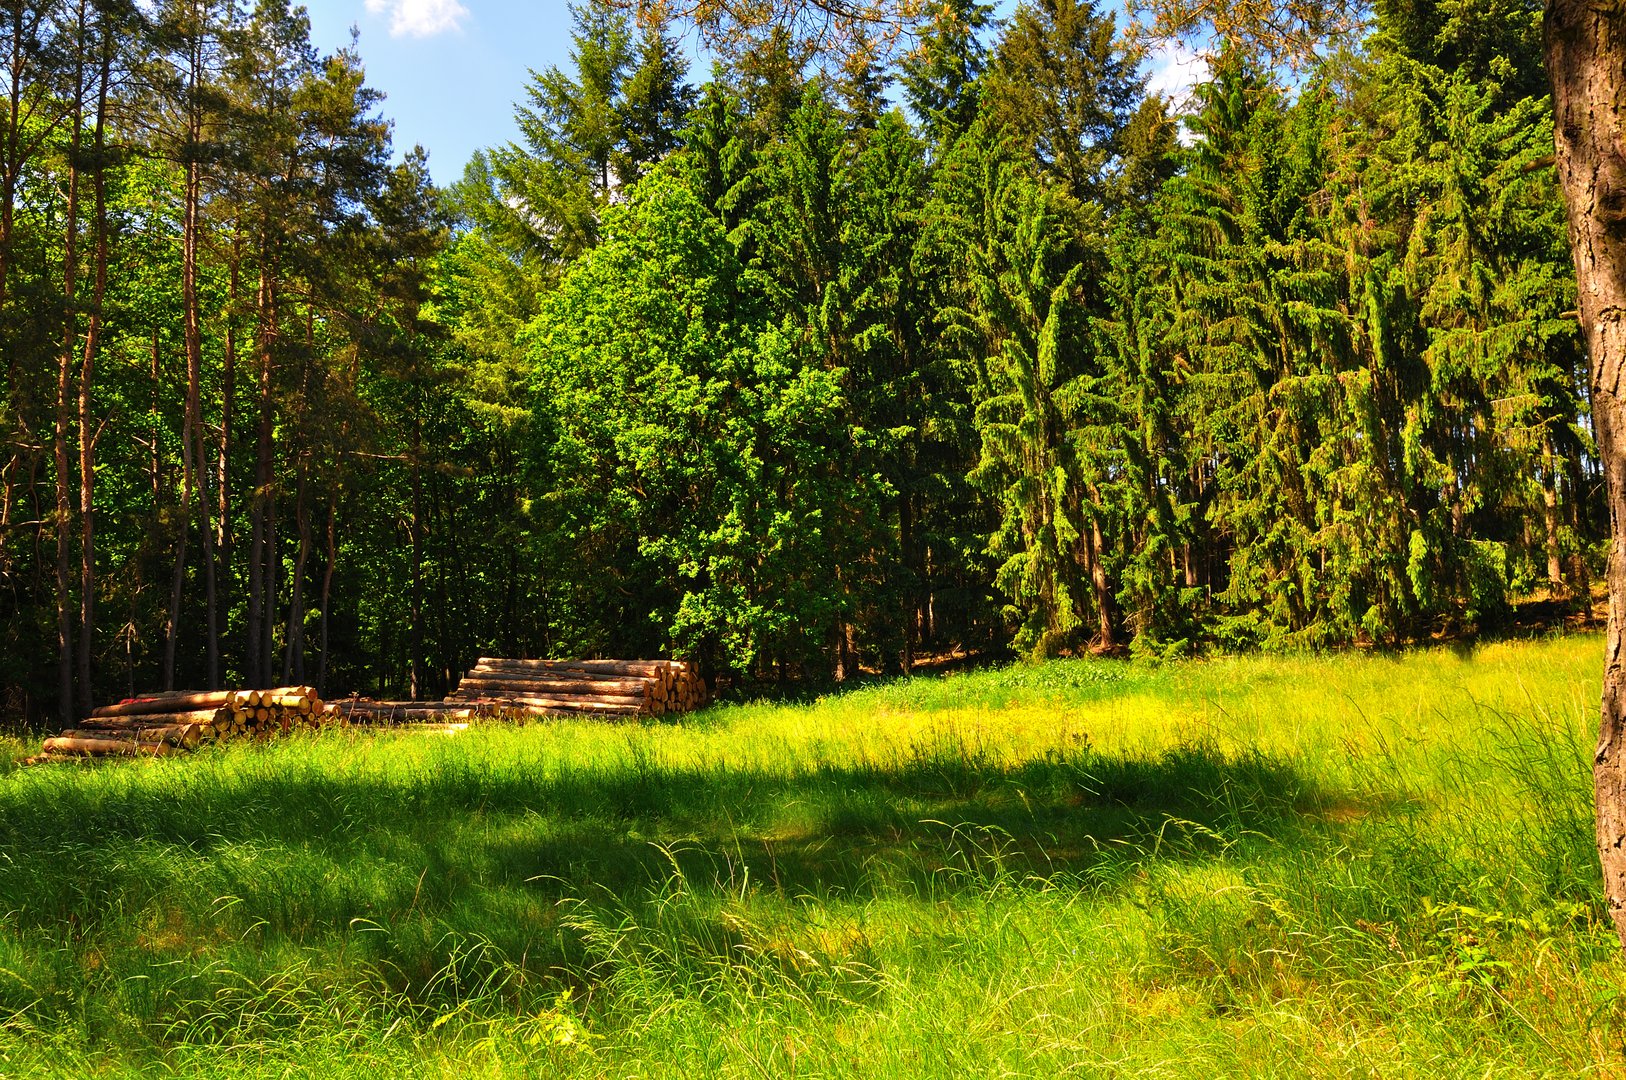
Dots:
pixel 446 880
pixel 824 829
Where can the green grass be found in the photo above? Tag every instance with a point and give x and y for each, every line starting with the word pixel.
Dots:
pixel 1254 867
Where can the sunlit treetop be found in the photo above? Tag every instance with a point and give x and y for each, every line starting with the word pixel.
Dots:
pixel 1287 31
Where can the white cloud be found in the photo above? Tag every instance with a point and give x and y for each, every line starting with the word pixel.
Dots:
pixel 1173 69
pixel 419 18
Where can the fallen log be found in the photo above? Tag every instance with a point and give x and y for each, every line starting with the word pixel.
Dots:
pixel 571 683
pixel 567 704
pixel 104 747
pixel 510 691
pixel 186 736
pixel 180 701
pixel 159 719
pixel 642 668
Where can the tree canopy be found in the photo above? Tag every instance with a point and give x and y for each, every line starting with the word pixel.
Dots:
pixel 963 342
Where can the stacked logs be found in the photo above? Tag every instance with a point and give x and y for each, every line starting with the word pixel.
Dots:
pixel 360 710
pixel 174 722
pixel 610 688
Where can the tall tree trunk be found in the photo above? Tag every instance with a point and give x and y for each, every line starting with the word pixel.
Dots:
pixel 447 651
pixel 1586 60
pixel 152 470
pixel 228 399
pixel 262 545
pixel 87 369
pixel 1549 512
pixel 332 557
pixel 911 580
pixel 272 578
pixel 194 451
pixel 64 386
pixel 1104 604
pixel 509 602
pixel 178 581
pixel 192 338
pixel 211 591
pixel 415 626
pixel 293 655
pixel 1580 571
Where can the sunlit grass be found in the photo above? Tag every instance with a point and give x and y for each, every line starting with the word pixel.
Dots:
pixel 1303 866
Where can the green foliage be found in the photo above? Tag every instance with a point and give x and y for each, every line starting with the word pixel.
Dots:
pixel 1044 366
pixel 1062 87
pixel 940 75
pixel 672 401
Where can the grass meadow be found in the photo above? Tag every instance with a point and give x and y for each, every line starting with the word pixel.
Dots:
pixel 1353 865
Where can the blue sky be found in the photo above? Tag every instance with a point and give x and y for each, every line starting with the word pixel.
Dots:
pixel 454 68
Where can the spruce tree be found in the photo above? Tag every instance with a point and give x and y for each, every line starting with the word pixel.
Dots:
pixel 572 133
pixel 655 101
pixel 940 75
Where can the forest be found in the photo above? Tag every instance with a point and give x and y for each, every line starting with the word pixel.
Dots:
pixel 804 365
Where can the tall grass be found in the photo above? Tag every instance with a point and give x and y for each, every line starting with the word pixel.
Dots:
pixel 1352 865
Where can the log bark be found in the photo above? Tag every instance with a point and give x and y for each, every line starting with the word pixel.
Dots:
pixel 186 736
pixel 109 747
pixel 648 668
pixel 567 704
pixel 1585 48
pixel 561 684
pixel 209 699
pixel 160 719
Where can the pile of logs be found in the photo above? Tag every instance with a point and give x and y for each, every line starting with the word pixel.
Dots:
pixel 583 687
pixel 173 722
pixel 401 713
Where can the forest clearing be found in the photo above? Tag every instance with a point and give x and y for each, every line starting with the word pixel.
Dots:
pixel 1374 865
pixel 1223 380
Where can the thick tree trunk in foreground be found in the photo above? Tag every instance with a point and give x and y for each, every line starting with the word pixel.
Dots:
pixel 1586 60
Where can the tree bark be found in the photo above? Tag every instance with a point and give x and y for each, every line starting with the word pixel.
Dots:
pixel 1586 61
pixel 64 385
pixel 415 626
pixel 153 477
pixel 293 656
pixel 1549 512
pixel 911 581
pixel 87 369
pixel 261 543
pixel 192 338
pixel 1105 607
pixel 228 399
pixel 327 593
